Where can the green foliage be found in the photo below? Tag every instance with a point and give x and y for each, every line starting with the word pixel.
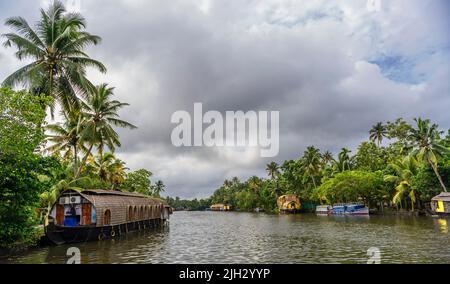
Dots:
pixel 21 118
pixel 351 186
pixel 370 157
pixel 190 205
pixel 426 184
pixel 20 187
pixel 138 181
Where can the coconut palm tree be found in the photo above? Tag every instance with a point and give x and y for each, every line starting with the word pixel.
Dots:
pixel 405 170
pixel 327 157
pixel 100 117
pixel 378 132
pixel 255 183
pixel 344 161
pixel 66 137
pixel 311 162
pixel 109 169
pixel 158 188
pixel 428 145
pixel 56 47
pixel 273 170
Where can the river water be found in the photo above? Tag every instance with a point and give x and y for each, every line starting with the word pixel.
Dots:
pixel 234 237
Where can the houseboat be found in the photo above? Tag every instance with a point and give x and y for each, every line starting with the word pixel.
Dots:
pixel 220 207
pixel 99 214
pixel 440 204
pixel 289 203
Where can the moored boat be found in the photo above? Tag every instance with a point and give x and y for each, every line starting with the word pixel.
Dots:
pixel 220 207
pixel 324 210
pixel 289 203
pixel 99 214
pixel 350 209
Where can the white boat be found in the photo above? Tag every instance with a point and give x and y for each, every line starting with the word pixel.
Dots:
pixel 324 210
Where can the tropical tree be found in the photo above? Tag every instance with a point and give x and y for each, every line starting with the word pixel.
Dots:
pixel 311 162
pixel 273 170
pixel 100 116
pixel 255 183
pixel 109 169
pixel 327 158
pixel 158 188
pixel 405 170
pixel 344 161
pixel 56 47
pixel 427 145
pixel 66 137
pixel 378 132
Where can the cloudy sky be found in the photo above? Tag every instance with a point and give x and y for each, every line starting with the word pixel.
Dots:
pixel 331 68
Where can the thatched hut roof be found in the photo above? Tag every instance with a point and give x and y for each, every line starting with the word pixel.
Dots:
pixel 444 196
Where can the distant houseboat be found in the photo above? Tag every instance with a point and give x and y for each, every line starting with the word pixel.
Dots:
pixel 289 203
pixel 99 214
pixel 220 207
pixel 440 204
pixel 343 209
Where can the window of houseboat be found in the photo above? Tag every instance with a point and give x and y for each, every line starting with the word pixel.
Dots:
pixel 130 213
pixel 107 217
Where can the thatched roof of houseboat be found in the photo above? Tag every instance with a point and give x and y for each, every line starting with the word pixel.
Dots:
pixel 444 196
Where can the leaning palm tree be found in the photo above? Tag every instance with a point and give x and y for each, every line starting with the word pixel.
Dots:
pixel 378 132
pixel 427 145
pixel 56 47
pixel 273 170
pixel 405 170
pixel 100 117
pixel 311 162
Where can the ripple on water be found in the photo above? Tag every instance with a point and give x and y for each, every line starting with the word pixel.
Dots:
pixel 232 237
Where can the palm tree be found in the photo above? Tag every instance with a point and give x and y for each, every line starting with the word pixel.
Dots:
pixel 377 133
pixel 100 115
pixel 344 161
pixel 109 169
pixel 158 188
pixel 227 183
pixel 273 170
pixel 311 162
pixel 254 183
pixel 55 45
pixel 427 145
pixel 405 170
pixel 66 137
pixel 327 157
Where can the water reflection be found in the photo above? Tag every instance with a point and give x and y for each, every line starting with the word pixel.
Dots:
pixel 230 237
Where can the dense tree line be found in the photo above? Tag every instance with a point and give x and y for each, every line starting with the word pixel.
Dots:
pixel 405 172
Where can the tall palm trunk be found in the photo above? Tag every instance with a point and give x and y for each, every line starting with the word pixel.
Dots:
pixel 437 175
pixel 83 161
pixel 75 160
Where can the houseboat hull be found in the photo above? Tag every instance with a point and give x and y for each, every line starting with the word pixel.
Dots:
pixel 100 214
pixel 59 235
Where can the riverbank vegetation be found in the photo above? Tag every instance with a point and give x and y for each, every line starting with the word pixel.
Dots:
pixel 404 172
pixel 40 157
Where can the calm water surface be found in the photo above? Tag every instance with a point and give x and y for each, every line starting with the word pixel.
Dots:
pixel 232 237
